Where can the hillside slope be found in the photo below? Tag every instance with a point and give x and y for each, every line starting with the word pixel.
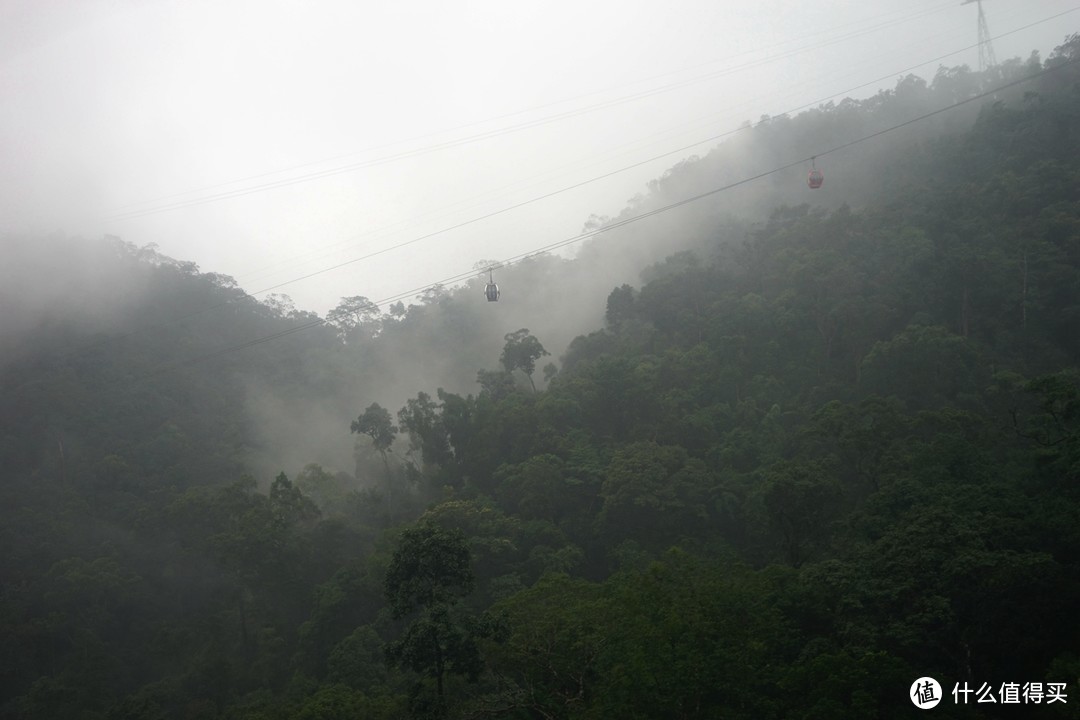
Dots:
pixel 807 461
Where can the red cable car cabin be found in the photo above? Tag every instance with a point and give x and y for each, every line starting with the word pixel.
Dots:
pixel 815 179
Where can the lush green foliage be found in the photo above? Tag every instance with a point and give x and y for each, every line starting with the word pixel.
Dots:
pixel 813 460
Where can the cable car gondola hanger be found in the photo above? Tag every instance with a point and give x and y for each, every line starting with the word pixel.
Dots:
pixel 814 178
pixel 492 290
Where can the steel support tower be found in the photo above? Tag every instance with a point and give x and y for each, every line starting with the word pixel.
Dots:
pixel 986 49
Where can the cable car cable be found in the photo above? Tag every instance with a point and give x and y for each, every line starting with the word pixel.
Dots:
pixel 375 253
pixel 615 172
pixel 326 250
pixel 626 221
pixel 122 209
pixel 240 192
pixel 654 158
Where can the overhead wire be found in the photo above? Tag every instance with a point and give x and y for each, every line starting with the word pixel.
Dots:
pixel 603 176
pixel 627 221
pixel 471 221
pixel 120 210
pixel 377 231
pixel 475 202
pixel 416 152
pixel 290 264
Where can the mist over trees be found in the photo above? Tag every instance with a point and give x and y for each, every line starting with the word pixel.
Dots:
pixel 795 450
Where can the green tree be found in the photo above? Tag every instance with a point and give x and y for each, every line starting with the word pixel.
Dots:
pixel 430 572
pixel 338 702
pixel 536 488
pixel 521 352
pixel 551 658
pixel 496 384
pixel 802 500
pixel 654 492
pixel 354 316
pixel 288 504
pixel 420 418
pixel 431 566
pixel 327 490
pixel 926 366
pixel 376 424
pixel 620 305
pixel 864 436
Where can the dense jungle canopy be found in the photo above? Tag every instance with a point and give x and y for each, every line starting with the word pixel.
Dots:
pixel 773 455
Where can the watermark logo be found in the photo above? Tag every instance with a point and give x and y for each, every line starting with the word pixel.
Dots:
pixel 925 693
pixel 1010 693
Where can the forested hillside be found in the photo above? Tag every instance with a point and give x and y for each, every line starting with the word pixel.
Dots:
pixel 819 450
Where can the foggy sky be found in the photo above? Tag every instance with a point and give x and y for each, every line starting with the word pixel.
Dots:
pixel 109 107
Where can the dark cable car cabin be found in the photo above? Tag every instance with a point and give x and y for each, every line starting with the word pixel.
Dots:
pixel 814 178
pixel 492 290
